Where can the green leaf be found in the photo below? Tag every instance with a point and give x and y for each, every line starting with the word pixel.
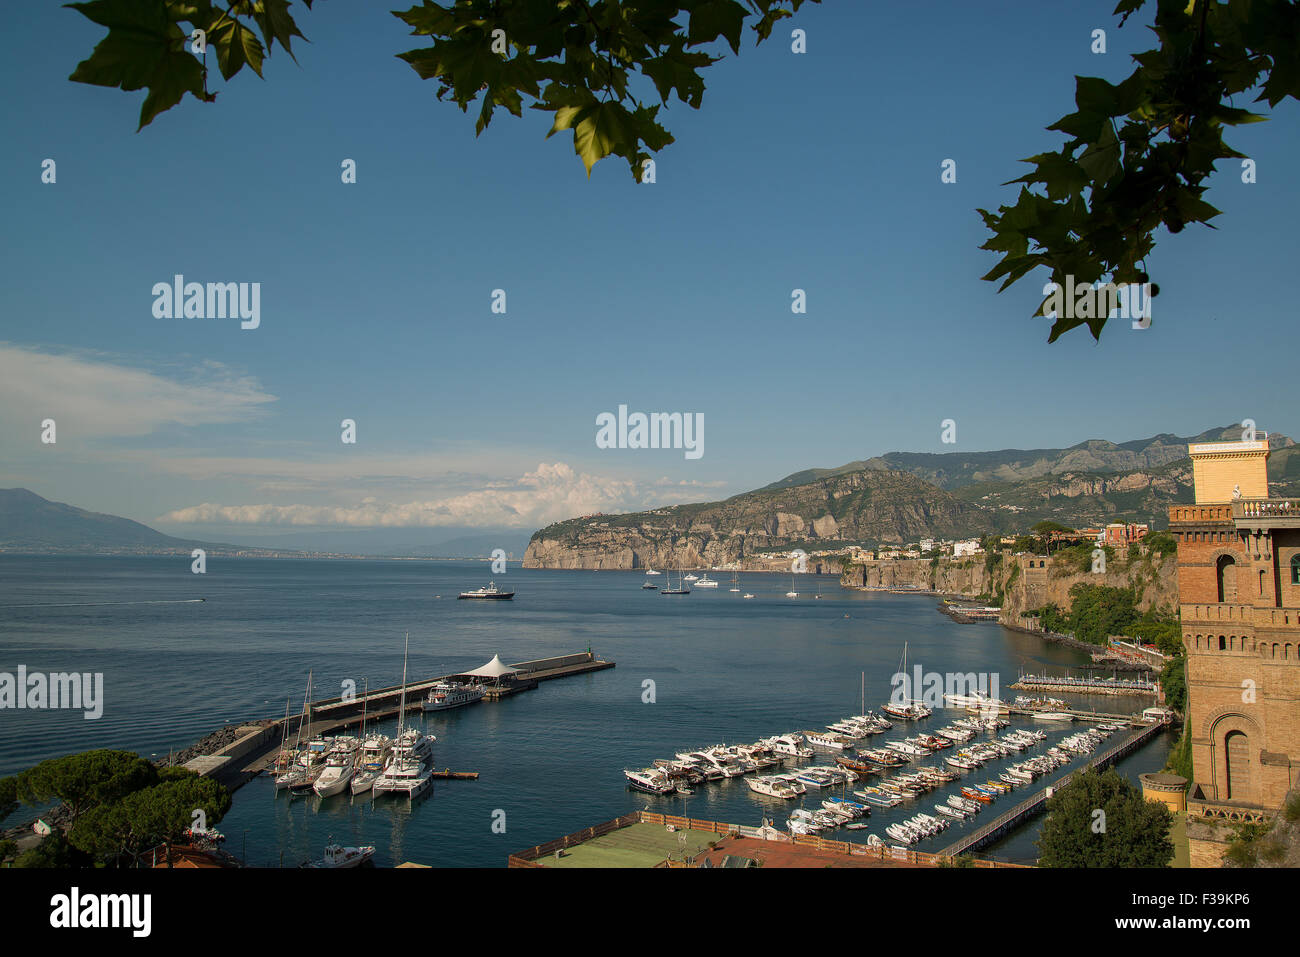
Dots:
pixel 715 18
pixel 143 48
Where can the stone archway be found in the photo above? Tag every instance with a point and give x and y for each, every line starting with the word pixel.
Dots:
pixel 1235 742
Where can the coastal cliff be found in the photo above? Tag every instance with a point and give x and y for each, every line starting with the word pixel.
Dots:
pixel 876 505
pixel 1020 587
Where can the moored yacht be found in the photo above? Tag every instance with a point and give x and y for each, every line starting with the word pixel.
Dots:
pixel 447 694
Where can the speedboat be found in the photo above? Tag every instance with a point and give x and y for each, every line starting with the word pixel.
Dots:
pixel 337 856
pixel 489 593
pixel 747 595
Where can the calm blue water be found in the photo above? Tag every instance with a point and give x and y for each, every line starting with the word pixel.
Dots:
pixel 725 670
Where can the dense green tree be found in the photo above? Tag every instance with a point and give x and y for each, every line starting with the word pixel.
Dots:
pixel 1099 611
pixel 1129 831
pixel 1173 680
pixel 86 780
pixel 161 814
pixel 8 796
pixel 1136 157
pixel 53 851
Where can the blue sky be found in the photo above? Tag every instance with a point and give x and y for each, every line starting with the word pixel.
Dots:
pixel 817 171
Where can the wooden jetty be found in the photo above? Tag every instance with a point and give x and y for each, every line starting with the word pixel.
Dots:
pixel 1033 805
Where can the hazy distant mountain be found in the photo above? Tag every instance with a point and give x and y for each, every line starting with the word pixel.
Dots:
pixel 29 522
pixel 952 470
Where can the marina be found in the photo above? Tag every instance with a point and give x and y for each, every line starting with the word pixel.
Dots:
pixel 723 670
pixel 1106 686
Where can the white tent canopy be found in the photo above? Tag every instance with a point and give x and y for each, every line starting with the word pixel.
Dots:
pixel 495 668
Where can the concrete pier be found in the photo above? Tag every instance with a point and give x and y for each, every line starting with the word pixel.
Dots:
pixel 254 751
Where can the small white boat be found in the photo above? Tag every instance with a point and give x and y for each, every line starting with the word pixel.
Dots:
pixel 706 582
pixel 338 856
pixel 691 578
pixel 335 778
pixel 651 571
pixel 747 595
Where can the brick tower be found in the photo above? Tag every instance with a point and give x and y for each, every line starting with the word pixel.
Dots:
pixel 1239 596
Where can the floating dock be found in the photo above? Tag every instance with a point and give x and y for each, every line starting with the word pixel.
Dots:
pixel 1028 808
pixel 1107 686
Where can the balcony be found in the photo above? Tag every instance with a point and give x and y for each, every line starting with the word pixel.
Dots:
pixel 1262 514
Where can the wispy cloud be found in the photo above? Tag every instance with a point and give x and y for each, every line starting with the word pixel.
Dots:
pixel 550 493
pixel 94 395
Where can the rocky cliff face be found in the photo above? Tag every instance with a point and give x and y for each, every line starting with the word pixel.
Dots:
pixel 867 506
pixel 1155 578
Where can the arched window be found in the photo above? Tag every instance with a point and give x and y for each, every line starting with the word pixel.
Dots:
pixel 1226 572
pixel 1223 643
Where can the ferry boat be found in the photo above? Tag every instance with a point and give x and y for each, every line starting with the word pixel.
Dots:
pixel 488 593
pixel 447 694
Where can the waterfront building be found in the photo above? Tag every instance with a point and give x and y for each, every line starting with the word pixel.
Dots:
pixel 971 547
pixel 1239 599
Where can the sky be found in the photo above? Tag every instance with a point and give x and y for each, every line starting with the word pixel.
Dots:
pixel 817 171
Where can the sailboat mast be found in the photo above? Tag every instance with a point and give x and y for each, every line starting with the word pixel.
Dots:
pixel 401 709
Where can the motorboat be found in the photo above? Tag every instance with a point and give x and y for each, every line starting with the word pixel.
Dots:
pixel 335 777
pixel 772 787
pixel 448 694
pixel 790 744
pixel 828 739
pixel 651 571
pixel 651 585
pixel 650 780
pixel 337 856
pixel 693 577
pixel 747 595
pixel 706 582
pixel 490 592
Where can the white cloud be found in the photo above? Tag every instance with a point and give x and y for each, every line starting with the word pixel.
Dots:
pixel 550 493
pixel 94 396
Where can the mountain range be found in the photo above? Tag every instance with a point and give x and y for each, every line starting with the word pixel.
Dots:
pixel 903 497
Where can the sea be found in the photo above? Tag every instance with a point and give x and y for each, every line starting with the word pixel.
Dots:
pixel 691 671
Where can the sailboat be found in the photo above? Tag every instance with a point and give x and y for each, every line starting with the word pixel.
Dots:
pixel 681 588
pixel 364 778
pixel 294 776
pixel 792 593
pixel 735 582
pixel 410 770
pixel 907 710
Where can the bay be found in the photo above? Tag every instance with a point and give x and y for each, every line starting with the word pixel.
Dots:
pixel 723 669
